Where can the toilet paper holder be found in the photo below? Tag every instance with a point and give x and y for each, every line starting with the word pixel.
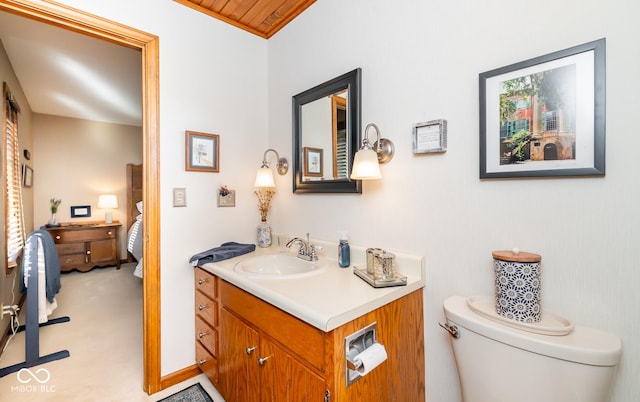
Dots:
pixel 355 344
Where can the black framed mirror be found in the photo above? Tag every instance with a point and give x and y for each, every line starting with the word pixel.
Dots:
pixel 326 136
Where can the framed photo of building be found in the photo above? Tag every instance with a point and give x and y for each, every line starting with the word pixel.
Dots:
pixel 545 116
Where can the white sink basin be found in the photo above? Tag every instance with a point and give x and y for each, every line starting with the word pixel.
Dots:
pixel 276 266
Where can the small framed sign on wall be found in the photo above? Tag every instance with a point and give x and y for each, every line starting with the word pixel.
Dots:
pixel 81 211
pixel 430 136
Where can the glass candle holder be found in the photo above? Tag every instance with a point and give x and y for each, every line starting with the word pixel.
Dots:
pixel 384 266
pixel 371 253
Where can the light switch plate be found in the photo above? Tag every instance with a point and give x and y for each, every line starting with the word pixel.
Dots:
pixel 228 200
pixel 179 197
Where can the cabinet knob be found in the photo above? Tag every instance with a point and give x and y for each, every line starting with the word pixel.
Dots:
pixel 57 237
pixel 202 335
pixel 201 307
pixel 109 233
pixel 263 360
pixel 201 281
pixel 88 251
pixel 201 362
pixel 250 349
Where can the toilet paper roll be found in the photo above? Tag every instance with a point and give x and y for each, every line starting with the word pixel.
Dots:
pixel 371 358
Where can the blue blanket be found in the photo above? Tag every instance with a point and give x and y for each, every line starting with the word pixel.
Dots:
pixel 51 261
pixel 225 251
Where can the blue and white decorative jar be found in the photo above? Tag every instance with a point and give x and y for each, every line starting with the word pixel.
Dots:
pixel 517 285
pixel 264 234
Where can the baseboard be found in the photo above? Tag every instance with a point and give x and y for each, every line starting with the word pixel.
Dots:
pixel 178 376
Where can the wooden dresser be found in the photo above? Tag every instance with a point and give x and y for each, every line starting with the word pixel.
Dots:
pixel 85 245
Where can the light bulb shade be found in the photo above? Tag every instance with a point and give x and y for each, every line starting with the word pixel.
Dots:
pixel 107 201
pixel 365 165
pixel 264 177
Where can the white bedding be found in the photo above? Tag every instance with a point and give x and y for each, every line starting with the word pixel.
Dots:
pixel 134 244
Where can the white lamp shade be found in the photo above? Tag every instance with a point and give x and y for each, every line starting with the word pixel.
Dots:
pixel 365 165
pixel 107 201
pixel 264 177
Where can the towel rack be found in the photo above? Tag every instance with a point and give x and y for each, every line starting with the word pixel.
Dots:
pixel 32 328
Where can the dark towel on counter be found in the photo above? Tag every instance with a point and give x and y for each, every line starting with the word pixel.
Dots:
pixel 225 251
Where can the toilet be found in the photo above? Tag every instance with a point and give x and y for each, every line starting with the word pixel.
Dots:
pixel 499 362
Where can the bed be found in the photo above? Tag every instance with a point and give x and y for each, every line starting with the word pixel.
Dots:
pixel 134 216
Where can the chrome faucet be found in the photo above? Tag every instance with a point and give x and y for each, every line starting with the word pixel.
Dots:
pixel 307 250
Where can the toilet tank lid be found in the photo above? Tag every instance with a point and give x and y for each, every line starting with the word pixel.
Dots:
pixel 582 345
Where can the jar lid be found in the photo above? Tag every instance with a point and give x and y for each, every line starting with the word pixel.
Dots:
pixel 516 256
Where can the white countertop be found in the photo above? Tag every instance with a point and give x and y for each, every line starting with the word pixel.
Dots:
pixel 330 297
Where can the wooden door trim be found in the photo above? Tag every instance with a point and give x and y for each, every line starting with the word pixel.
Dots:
pixel 81 22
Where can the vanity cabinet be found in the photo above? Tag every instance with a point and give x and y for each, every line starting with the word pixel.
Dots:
pixel 207 323
pixel 83 246
pixel 254 368
pixel 266 354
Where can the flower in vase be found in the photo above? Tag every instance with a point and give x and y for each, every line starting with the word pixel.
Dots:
pixel 264 201
pixel 55 202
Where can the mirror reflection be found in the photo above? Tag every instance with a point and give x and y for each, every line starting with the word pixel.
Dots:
pixel 326 135
pixel 324 127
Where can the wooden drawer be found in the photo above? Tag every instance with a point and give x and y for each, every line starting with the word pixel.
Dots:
pixel 206 283
pixel 206 335
pixel 72 260
pixel 207 309
pixel 207 363
pixel 70 248
pixel 301 338
pixel 84 235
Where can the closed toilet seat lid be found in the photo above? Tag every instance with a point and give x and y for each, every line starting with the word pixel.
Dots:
pixel 550 323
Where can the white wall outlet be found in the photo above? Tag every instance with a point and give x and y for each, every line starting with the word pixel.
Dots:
pixel 179 197
pixel 228 200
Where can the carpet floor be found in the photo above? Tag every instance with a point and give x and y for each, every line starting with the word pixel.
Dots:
pixel 104 339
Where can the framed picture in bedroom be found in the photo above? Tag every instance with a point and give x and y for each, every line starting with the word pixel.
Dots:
pixel 27 176
pixel 81 211
pixel 545 117
pixel 202 152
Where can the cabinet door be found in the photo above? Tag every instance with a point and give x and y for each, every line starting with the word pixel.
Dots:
pixel 103 250
pixel 238 361
pixel 284 378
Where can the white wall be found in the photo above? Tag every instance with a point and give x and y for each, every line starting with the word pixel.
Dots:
pixel 420 61
pixel 76 161
pixel 213 79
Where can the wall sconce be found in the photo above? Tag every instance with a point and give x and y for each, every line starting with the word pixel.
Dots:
pixel 366 164
pixel 264 176
pixel 108 202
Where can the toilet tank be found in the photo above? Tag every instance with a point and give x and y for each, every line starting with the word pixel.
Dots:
pixel 498 363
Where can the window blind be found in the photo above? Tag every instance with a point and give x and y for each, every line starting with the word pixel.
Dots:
pixel 14 216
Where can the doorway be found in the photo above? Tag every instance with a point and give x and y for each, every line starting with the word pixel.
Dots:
pixel 78 21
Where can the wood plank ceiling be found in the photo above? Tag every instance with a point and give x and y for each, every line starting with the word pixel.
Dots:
pixel 260 17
